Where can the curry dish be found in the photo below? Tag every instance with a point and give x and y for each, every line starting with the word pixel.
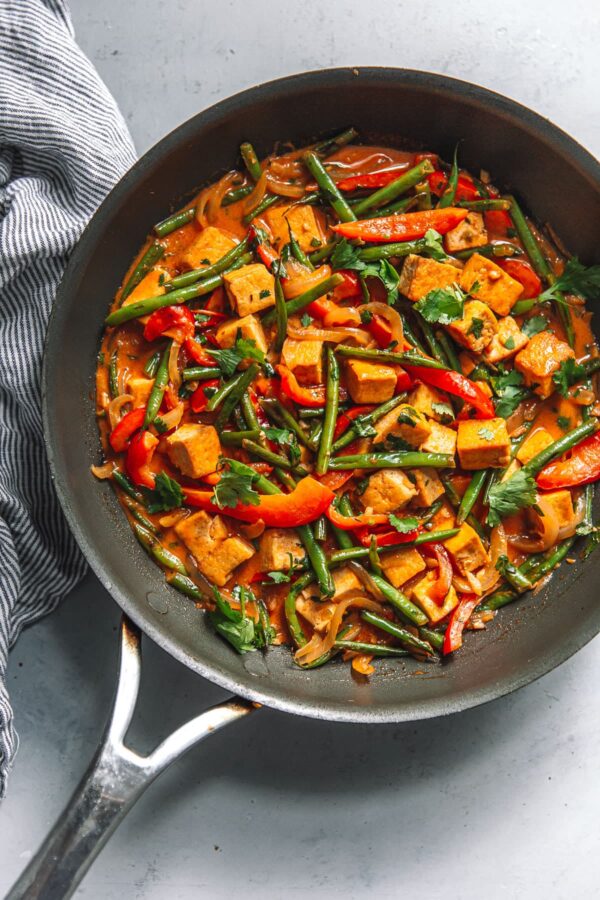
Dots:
pixel 347 400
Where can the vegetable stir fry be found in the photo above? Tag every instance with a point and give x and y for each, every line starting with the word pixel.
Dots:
pixel 347 400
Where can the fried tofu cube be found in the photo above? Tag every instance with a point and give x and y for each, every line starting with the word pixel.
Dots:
pixel 539 361
pixel 467 550
pixel 250 288
pixel 400 565
pixel 483 443
pixel 536 441
pixel 477 327
pixel 404 422
pixel 468 233
pixel 317 613
pixel 495 287
pixel 388 490
pixel 370 382
pixel 420 275
pixel 345 580
pixel 216 553
pixel 139 388
pixel 421 594
pixel 151 285
pixel 302 221
pixel 194 449
pixel 279 549
pixel 428 485
pixel 507 341
pixel 248 327
pixel 441 440
pixel 561 506
pixel 209 247
pixel 431 402
pixel 304 359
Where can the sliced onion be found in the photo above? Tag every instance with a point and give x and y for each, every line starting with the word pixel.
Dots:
pixel 115 406
pixel 254 530
pixel 341 315
pixel 257 194
pixel 317 645
pixel 335 335
pixel 490 575
pixel 568 530
pixel 300 279
pixel 284 188
pixel 545 525
pixel 366 580
pixel 209 201
pixel 172 518
pixel 361 664
pixel 172 418
pixel 391 316
pixel 174 374
pixel 103 472
pixel 581 396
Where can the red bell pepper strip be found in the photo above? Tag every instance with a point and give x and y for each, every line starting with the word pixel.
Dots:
pixel 465 189
pixel 582 466
pixel 350 523
pixel 381 331
pixel 213 316
pixel 122 433
pixel 386 538
pixel 402 226
pixel 458 619
pixel 176 318
pixel 343 422
pixel 456 384
pixel 524 274
pixel 196 353
pixel 304 504
pixel 350 286
pixel 403 381
pixel 198 400
pixel 263 248
pixel 369 180
pixel 336 480
pixel 497 222
pixel 139 455
pixel 313 396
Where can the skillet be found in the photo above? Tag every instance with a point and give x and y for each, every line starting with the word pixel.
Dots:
pixel 557 180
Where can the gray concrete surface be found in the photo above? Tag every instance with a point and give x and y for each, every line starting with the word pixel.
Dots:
pixel 496 802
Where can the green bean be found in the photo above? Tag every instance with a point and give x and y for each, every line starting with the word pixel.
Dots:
pixel 398 206
pixel 322 253
pixel 216 268
pixel 385 251
pixel 471 494
pixel 307 412
pixel 454 501
pixel 139 517
pixel 200 373
pixel 172 223
pixel 493 477
pixel 313 293
pixel 398 632
pixel 328 187
pixel 235 438
pixel 371 649
pixel 483 205
pixel 113 374
pixel 331 413
pixel 361 422
pixel 158 388
pixel 424 201
pixel 591 365
pixel 223 391
pixel 291 616
pixel 146 263
pixel 236 395
pixel 297 250
pixel 342 537
pixel 342 556
pixel 393 190
pixel 249 412
pixel 186 586
pixel 401 459
pixel 150 304
pixel 330 145
pixel 237 194
pixel 410 335
pixel 449 349
pixel 434 347
pixel 152 364
pixel 497 600
pixel 400 601
pixel 425 538
pixel 374 560
pixel 321 530
pixel 515 577
pixel 557 448
pixel 449 195
pixel 275 459
pixel 280 414
pixel 433 637
pixel 126 485
pixel 267 201
pixel 409 359
pixel 556 556
pixel 250 160
pixel 281 317
pixel 156 550
pixel 497 248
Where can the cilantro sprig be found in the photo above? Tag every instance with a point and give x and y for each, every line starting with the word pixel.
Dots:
pixel 165 495
pixel 507 497
pixel 345 256
pixel 240 630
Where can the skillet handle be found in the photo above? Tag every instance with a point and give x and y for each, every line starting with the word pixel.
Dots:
pixel 115 779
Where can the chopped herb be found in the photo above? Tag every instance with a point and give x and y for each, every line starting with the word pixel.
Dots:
pixel 242 632
pixel 508 497
pixel 511 232
pixel 434 246
pixel 165 495
pixel 345 256
pixel 443 305
pixel 404 526
pixel 509 343
pixel 362 485
pixel 315 242
pixel 534 325
pixel 362 429
pixel 564 423
pixel 406 419
pixel 236 487
pixel 366 316
pixel 575 279
pixel 443 410
pixel 568 374
pixel 476 327
pixel 101 359
pixel 264 293
pixel 284 438
pixel 306 320
pixel 247 349
pixel 278 577
pixel 486 434
pixel 227 360
pixel 160 425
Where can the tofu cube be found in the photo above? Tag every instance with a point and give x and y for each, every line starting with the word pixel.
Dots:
pixel 370 382
pixel 420 275
pixel 441 440
pixel 399 566
pixel 139 388
pixel 507 341
pixel 250 288
pixel 421 594
pixel 388 490
pixel 468 233
pixel 561 506
pixel 466 550
pixel 194 449
pixel 304 359
pixel 345 581
pixel 216 553
pixel 429 400
pixel 483 443
pixel 302 221
pixel 536 441
pixel 514 467
pixel 477 327
pixel 428 485
pixel 404 422
pixel 540 359
pixel 151 285
pixel 248 327
pixel 495 287
pixel 208 247
pixel 317 613
pixel 279 549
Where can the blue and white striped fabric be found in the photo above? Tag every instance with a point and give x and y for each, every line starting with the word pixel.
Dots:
pixel 63 144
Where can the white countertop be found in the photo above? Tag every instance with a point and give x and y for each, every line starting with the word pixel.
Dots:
pixel 497 802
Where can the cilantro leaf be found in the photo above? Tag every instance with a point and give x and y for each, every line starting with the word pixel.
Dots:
pixel 278 577
pixel 306 320
pixel 388 276
pixel 443 305
pixel 165 495
pixel 366 316
pixel 404 526
pixel 486 434
pixel 509 390
pixel 227 360
pixel 575 279
pixel 363 429
pixel 476 327
pixel 247 349
pixel 534 325
pixel 285 438
pixel 434 246
pixel 443 410
pixel 568 374
pixel 242 632
pixel 508 497
pixel 345 256
pixel 236 487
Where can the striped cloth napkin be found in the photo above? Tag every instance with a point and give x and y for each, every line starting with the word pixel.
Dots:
pixel 63 144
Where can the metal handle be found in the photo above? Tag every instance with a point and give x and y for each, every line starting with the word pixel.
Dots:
pixel 115 779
